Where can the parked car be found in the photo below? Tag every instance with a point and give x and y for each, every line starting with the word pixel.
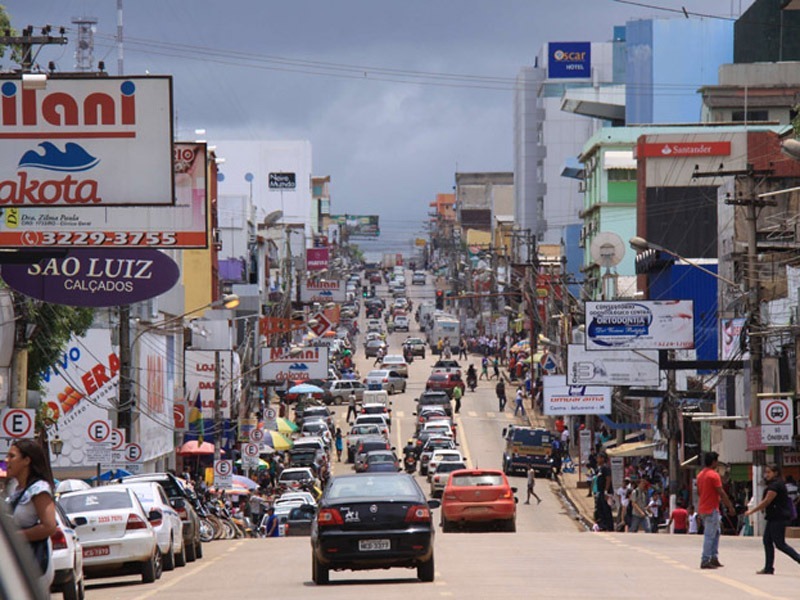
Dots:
pixel 383 379
pixel 168 529
pixel 186 503
pixel 67 559
pixel 478 495
pixel 395 362
pixel 317 428
pixel 116 532
pixel 313 412
pixel 338 391
pixel 373 521
pixel 445 382
pixel 417 346
pixel 439 478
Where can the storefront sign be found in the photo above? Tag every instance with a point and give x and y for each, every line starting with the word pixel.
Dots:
pixel 562 399
pixel 200 379
pixel 99 141
pixel 278 364
pixel 282 181
pixel 316 259
pixel 683 149
pixel 569 60
pixel 322 291
pixel 644 325
pixel 95 277
pixel 612 367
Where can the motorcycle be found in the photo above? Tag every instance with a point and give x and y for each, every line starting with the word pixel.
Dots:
pixel 411 464
pixel 472 382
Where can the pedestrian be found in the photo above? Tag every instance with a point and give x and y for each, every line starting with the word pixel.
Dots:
pixel 778 513
pixel 351 406
pixel 518 406
pixel 680 518
pixel 603 486
pixel 623 501
pixel 531 486
pixel 484 368
pixel 693 527
pixel 639 511
pixel 500 391
pixel 496 368
pixel 709 489
pixel 271 527
pixel 565 439
pixel 339 444
pixel 457 393
pixel 30 501
pixel 462 349
pixel 654 506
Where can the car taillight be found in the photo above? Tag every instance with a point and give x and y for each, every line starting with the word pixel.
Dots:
pixel 135 522
pixel 418 514
pixel 508 494
pixel 183 514
pixel 436 478
pixel 385 380
pixel 59 540
pixel 329 516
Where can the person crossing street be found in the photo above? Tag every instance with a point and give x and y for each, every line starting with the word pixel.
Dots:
pixel 531 486
pixel 500 391
pixel 457 397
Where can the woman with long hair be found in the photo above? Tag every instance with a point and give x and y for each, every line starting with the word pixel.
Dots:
pixel 30 499
pixel 775 504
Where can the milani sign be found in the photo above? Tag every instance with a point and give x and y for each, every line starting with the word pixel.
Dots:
pixel 86 142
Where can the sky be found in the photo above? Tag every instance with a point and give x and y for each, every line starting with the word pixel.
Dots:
pixel 395 97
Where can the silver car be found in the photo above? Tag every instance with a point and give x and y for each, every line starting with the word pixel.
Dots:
pixel 385 379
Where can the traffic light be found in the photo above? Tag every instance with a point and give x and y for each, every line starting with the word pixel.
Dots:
pixel 439 299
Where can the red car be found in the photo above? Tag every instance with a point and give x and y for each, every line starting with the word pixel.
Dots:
pixel 479 496
pixel 445 382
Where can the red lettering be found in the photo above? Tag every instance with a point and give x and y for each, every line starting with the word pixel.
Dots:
pixel 89 384
pixel 99 372
pixel 113 364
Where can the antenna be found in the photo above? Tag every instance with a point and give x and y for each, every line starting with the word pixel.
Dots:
pixel 607 250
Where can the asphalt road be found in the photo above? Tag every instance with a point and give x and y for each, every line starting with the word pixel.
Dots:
pixel 548 556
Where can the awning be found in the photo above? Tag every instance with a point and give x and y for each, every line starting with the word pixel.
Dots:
pixel 634 449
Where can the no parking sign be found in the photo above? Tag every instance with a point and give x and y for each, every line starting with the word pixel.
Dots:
pixel 223 474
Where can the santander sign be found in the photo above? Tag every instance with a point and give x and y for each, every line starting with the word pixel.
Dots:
pixel 86 142
pixel 683 149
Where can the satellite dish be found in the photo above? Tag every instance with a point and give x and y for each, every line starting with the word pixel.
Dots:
pixel 273 217
pixel 607 249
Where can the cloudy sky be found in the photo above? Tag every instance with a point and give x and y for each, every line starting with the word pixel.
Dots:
pixel 394 96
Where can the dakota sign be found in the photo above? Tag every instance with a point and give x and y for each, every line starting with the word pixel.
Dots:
pixel 562 399
pixel 183 225
pixel 322 291
pixel 645 325
pixel 278 364
pixel 87 142
pixel 95 277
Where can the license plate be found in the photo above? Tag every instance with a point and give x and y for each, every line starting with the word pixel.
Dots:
pixel 96 551
pixel 372 545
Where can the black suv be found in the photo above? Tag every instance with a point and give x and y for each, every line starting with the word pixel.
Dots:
pixel 187 505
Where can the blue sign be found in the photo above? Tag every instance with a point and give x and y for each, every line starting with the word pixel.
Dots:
pixel 569 60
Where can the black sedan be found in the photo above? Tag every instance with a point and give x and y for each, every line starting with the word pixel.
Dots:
pixel 372 521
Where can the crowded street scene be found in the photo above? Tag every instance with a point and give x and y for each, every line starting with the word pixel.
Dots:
pixel 479 311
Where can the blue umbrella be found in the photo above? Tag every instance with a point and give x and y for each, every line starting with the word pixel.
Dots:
pixel 112 474
pixel 305 388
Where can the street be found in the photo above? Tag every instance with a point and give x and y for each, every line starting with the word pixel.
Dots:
pixel 551 554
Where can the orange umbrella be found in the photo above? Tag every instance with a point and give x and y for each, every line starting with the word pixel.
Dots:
pixel 192 448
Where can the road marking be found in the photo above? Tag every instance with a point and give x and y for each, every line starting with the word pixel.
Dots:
pixel 749 589
pixel 189 573
pixel 462 442
pixel 491 415
pixel 400 414
pixel 472 413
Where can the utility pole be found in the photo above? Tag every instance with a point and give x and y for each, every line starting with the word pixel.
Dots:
pixel 217 409
pixel 27 41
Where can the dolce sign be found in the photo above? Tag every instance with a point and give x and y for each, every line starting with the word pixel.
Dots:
pixel 322 291
pixel 95 277
pixel 87 142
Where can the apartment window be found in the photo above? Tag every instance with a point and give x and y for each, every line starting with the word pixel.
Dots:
pixel 622 175
pixel 751 115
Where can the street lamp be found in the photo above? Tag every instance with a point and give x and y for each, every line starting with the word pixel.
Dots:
pixel 639 243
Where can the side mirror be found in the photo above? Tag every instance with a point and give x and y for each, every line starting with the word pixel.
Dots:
pixel 513 489
pixel 178 503
pixel 155 515
pixel 79 521
pixel 434 504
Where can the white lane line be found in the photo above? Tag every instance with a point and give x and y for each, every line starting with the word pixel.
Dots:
pixel 491 415
pixel 462 441
pixel 472 413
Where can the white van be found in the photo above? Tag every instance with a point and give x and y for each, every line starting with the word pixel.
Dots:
pixel 376 397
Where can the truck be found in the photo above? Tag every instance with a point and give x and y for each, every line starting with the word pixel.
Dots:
pixel 527 446
pixel 444 326
pixel 389 260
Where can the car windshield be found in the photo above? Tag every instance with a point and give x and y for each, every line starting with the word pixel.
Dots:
pixel 481 479
pixel 377 374
pixel 449 467
pixel 382 457
pixel 294 475
pixel 77 503
pixel 371 487
pixel 437 377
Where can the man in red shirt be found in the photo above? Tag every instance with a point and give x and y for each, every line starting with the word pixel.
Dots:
pixel 680 517
pixel 709 488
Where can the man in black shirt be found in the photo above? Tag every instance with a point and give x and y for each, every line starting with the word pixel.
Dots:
pixel 602 486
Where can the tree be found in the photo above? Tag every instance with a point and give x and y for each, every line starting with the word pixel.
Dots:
pixel 5 26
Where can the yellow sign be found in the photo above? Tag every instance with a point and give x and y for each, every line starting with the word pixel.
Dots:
pixel 420 242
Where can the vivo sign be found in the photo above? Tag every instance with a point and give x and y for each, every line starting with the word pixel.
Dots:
pixel 96 277
pixel 86 142
pixel 322 291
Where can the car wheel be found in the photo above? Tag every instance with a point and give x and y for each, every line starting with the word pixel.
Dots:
pixel 81 590
pixel 159 565
pixel 425 570
pixel 511 526
pixel 447 527
pixel 319 574
pixel 191 551
pixel 180 557
pixel 198 550
pixel 338 400
pixel 149 569
pixel 71 589
pixel 391 390
pixel 168 558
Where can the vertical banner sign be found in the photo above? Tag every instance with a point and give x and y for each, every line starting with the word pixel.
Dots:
pixel 777 422
pixel 585 439
pixel 200 380
pixel 617 471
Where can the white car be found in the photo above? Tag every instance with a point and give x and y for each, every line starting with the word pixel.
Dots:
pixel 374 325
pixel 395 362
pixel 401 323
pixel 169 530
pixel 295 498
pixel 115 531
pixel 381 420
pixel 67 558
pixel 442 456
pixel 384 379
pixel 439 479
pixel 296 477
pixel 438 427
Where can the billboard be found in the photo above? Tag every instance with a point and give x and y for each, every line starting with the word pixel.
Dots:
pixel 731 343
pixel 682 149
pixel 155 393
pixel 569 60
pixel 97 277
pixel 79 389
pixel 563 399
pixel 277 364
pixel 199 373
pixel 183 225
pixel 282 181
pixel 612 367
pixel 87 142
pixel 643 325
pixel 323 291
pixel 316 259
pixel 358 225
